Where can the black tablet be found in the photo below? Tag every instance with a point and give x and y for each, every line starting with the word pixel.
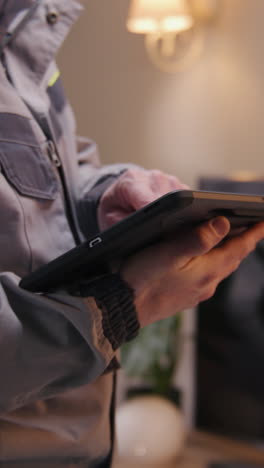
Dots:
pixel 144 227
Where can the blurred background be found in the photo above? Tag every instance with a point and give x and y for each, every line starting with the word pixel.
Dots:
pixel 208 119
pixel 205 124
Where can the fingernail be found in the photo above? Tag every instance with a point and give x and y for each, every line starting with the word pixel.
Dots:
pixel 220 226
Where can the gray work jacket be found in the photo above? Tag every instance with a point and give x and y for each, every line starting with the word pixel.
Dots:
pixel 55 391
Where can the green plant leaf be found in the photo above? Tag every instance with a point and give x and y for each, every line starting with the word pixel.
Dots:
pixel 153 355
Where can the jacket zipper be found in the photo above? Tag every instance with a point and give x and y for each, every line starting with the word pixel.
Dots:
pixel 52 154
pixel 55 159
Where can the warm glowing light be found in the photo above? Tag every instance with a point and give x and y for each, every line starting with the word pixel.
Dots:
pixel 168 24
pixel 141 25
pixel 153 16
pixel 176 23
pixel 174 29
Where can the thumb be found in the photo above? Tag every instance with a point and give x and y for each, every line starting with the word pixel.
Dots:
pixel 206 236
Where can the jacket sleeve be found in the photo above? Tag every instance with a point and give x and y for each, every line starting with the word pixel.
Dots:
pixel 57 342
pixel 94 179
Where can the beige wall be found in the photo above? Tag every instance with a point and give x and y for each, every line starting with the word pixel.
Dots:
pixel 206 120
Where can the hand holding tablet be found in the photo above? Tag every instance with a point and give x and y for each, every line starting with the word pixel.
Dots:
pixel 150 225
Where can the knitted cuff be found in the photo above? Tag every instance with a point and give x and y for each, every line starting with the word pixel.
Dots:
pixel 116 300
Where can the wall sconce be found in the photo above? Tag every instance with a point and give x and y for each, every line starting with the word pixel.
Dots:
pixel 174 29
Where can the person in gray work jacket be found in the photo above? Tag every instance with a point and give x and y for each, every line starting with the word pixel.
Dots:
pixel 58 350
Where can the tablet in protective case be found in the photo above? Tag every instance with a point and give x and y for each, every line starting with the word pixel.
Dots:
pixel 146 226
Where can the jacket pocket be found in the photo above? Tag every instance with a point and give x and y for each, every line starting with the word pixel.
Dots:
pixel 21 159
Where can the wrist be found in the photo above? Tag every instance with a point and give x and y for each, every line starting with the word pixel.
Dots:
pixel 115 298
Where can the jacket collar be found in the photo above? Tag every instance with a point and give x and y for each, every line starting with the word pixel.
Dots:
pixel 9 9
pixel 35 46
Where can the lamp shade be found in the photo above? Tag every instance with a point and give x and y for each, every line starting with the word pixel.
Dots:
pixel 151 16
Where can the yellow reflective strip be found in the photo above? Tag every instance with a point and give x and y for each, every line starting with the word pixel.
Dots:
pixel 54 78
